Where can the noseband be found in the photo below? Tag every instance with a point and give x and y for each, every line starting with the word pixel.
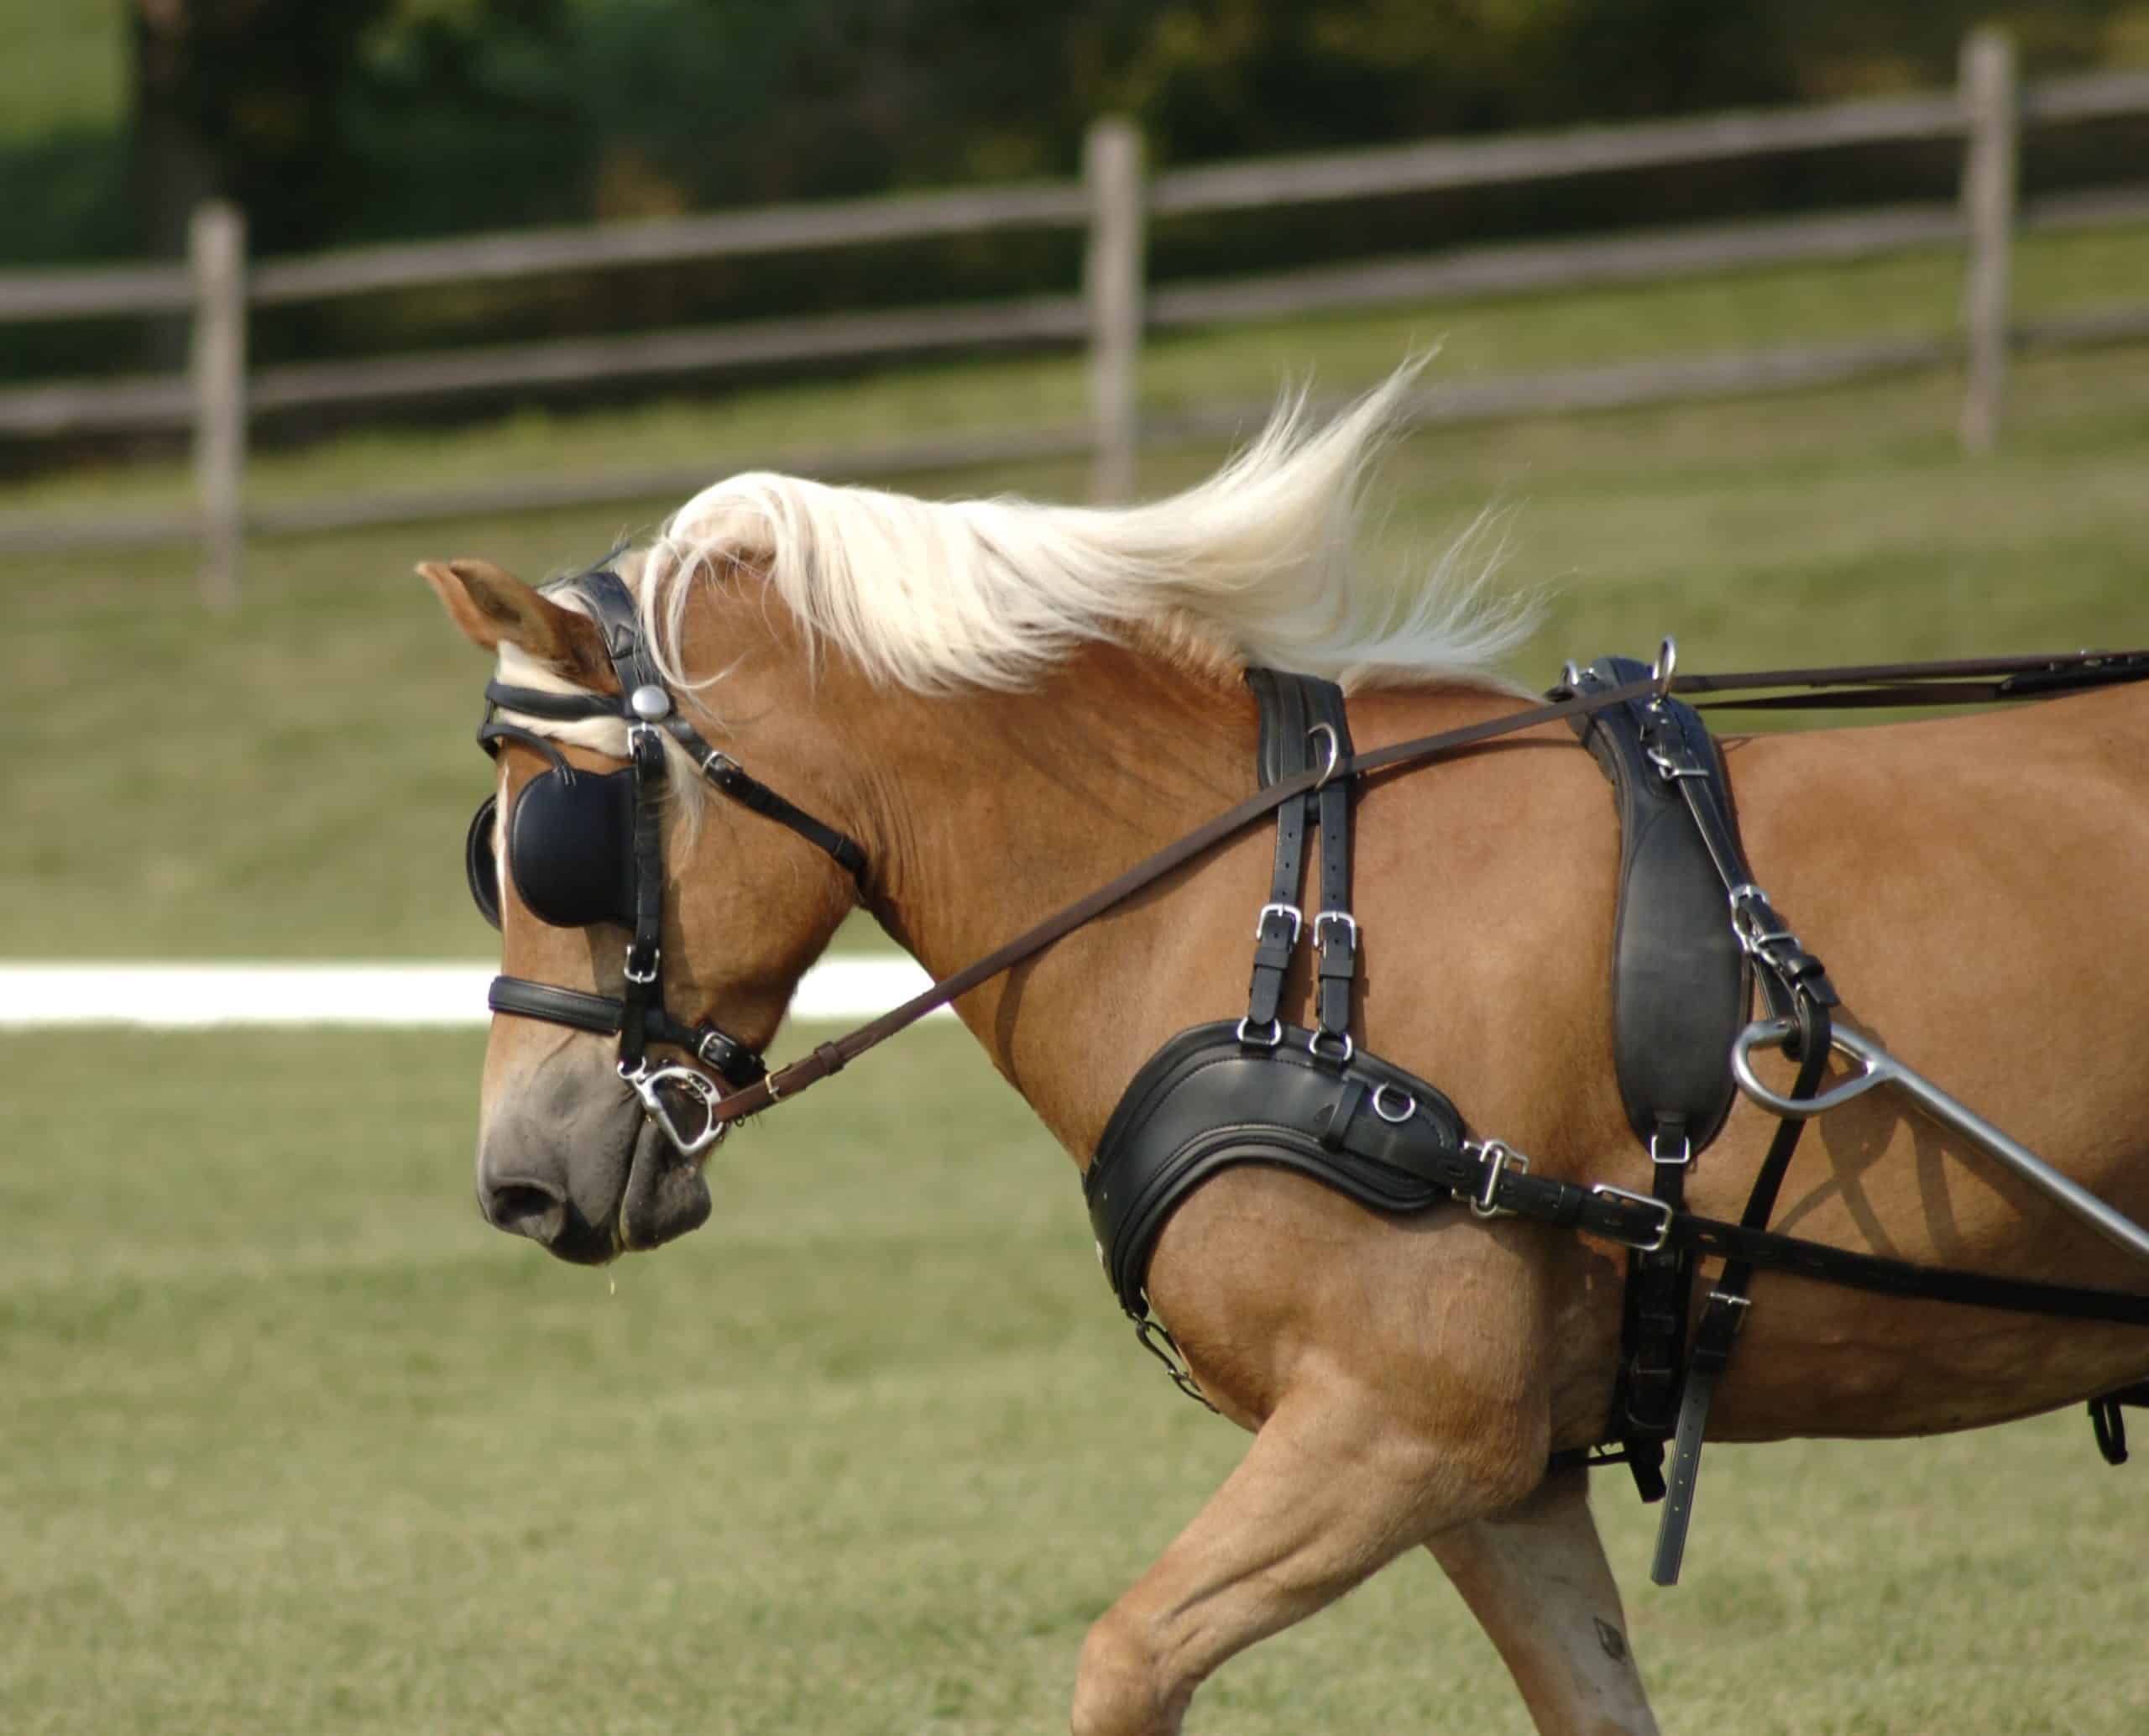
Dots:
pixel 585 848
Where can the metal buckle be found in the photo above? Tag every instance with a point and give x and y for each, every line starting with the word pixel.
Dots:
pixel 655 955
pixel 1297 915
pixel 1275 1037
pixel 1753 938
pixel 1341 1056
pixel 1664 1228
pixel 1684 1155
pixel 1498 1157
pixel 1380 1103
pixel 1350 924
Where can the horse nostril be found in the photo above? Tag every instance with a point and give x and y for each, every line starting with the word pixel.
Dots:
pixel 526 1209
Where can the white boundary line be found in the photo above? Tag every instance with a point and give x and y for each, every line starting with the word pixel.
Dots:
pixel 192 996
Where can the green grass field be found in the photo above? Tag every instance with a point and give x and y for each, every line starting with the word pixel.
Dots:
pixel 293 1444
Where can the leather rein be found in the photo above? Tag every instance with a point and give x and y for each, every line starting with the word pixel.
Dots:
pixel 1963 681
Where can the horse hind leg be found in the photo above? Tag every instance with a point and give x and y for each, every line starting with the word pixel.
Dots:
pixel 1536 1579
pixel 1333 1489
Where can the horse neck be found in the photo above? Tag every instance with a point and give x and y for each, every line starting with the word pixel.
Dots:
pixel 987 813
pixel 996 809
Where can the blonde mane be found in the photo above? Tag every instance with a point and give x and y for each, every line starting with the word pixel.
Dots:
pixel 1260 564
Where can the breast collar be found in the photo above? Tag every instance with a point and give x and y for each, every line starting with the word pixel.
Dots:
pixel 638 1014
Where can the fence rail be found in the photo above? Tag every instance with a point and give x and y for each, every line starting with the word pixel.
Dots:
pixel 1113 203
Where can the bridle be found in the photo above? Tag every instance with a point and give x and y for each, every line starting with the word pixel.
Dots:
pixel 586 847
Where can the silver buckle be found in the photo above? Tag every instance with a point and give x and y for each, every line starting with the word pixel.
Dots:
pixel 655 955
pixel 1350 924
pixel 1683 1156
pixel 1753 938
pixel 1664 1226
pixel 1498 1157
pixel 1297 915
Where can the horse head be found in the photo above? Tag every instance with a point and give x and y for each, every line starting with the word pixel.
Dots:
pixel 652 934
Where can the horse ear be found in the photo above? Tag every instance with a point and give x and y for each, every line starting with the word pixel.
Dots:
pixel 493 607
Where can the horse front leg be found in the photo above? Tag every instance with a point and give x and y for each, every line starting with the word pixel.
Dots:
pixel 1334 1486
pixel 1536 1579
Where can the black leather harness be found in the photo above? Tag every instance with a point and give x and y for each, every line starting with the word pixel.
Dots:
pixel 1262 1091
pixel 1694 935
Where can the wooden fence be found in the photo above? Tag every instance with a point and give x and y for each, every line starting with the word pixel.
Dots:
pixel 1114 201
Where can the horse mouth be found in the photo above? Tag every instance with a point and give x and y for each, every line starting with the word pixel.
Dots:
pixel 666 1195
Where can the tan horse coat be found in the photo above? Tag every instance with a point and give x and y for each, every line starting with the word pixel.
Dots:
pixel 1974 884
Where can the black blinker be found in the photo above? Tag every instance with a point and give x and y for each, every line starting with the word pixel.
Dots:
pixel 480 863
pixel 571 847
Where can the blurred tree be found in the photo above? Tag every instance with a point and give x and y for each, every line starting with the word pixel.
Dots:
pixel 251 99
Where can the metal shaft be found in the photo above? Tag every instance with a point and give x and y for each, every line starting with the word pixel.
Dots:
pixel 1881 1068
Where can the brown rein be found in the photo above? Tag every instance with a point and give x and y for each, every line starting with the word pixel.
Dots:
pixel 1959 682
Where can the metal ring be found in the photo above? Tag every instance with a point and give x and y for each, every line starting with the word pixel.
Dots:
pixel 703 1090
pixel 1335 753
pixel 1380 1103
pixel 1275 1036
pixel 1667 660
pixel 1341 1056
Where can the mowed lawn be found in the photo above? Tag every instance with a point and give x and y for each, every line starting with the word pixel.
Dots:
pixel 292 1444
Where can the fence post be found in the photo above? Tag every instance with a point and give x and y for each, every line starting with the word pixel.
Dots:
pixel 216 246
pixel 1112 274
pixel 1989 114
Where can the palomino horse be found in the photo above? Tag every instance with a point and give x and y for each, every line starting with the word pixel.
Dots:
pixel 1005 703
